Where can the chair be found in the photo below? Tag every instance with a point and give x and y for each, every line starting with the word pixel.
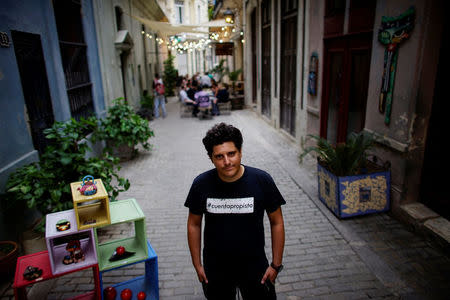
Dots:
pixel 224 107
pixel 186 110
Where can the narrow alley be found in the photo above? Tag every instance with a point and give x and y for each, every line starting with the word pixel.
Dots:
pixel 371 257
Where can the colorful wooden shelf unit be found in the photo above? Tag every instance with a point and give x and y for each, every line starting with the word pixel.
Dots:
pixel 41 260
pixel 57 242
pixel 147 283
pixel 91 211
pixel 124 211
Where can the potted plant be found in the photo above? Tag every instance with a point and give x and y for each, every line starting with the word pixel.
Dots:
pixel 123 130
pixel 219 70
pixel 170 76
pixel 146 110
pixel 45 185
pixel 349 183
pixel 9 251
pixel 234 75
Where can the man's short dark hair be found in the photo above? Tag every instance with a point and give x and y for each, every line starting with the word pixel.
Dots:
pixel 222 133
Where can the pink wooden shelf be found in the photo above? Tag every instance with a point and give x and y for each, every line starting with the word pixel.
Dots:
pixel 42 261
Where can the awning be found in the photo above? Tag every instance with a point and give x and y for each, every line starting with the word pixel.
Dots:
pixel 123 40
pixel 165 28
pixel 216 23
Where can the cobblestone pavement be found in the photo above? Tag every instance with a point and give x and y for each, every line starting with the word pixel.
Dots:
pixel 370 257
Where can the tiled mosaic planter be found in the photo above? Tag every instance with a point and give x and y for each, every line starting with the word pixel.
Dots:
pixel 349 196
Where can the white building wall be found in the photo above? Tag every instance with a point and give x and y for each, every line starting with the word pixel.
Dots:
pixel 140 59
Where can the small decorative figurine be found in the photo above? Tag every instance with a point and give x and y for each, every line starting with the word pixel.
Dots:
pixel 109 293
pixel 120 253
pixel 32 273
pixel 75 252
pixel 62 225
pixel 126 294
pixel 88 186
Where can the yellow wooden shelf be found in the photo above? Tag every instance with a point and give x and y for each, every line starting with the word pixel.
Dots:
pixel 93 210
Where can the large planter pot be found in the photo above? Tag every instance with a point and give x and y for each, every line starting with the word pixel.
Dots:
pixel 348 196
pixel 123 152
pixel 237 102
pixel 9 252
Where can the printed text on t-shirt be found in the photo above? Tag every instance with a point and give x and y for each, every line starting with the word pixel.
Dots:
pixel 230 205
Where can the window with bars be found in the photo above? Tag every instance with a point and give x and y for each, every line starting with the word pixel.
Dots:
pixel 74 57
pixel 179 11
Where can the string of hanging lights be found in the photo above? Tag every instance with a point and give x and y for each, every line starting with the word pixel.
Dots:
pixel 180 45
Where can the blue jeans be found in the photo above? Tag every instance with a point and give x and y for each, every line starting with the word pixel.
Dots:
pixel 160 100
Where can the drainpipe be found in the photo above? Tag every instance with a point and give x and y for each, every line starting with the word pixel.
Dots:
pixel 303 51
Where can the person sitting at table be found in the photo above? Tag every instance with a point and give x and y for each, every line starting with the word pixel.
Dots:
pixel 186 101
pixel 221 95
pixel 203 100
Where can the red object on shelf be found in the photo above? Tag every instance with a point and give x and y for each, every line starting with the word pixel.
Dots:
pixel 141 296
pixel 109 293
pixel 126 294
pixel 120 250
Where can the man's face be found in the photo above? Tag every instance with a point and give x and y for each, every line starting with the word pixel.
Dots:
pixel 227 160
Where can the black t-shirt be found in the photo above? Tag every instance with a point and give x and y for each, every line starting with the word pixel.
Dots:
pixel 191 93
pixel 223 96
pixel 234 211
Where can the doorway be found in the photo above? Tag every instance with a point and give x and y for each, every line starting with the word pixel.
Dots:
pixel 288 64
pixel 435 163
pixel 254 56
pixel 123 67
pixel 266 73
pixel 33 76
pixel 346 80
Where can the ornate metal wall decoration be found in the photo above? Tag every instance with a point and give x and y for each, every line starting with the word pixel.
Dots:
pixel 4 40
pixel 393 31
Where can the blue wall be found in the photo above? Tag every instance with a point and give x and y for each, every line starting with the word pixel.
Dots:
pixel 37 17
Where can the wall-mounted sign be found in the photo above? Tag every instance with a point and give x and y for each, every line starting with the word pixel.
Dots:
pixel 392 32
pixel 313 70
pixel 224 49
pixel 4 40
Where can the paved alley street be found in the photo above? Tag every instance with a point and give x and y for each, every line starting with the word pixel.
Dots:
pixel 371 257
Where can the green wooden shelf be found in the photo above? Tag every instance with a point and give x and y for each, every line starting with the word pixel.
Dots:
pixel 122 212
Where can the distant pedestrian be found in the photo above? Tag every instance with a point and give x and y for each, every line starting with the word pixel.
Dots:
pixel 233 197
pixel 160 99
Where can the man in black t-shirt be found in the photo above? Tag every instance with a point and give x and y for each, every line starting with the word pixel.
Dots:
pixel 234 198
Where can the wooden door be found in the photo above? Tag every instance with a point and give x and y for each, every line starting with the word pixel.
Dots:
pixel 33 76
pixel 435 164
pixel 266 58
pixel 254 56
pixel 346 79
pixel 288 65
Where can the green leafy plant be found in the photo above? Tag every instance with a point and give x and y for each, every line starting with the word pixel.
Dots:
pixel 220 70
pixel 343 159
pixel 123 126
pixel 170 76
pixel 210 12
pixel 147 101
pixel 45 185
pixel 146 110
pixel 234 75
